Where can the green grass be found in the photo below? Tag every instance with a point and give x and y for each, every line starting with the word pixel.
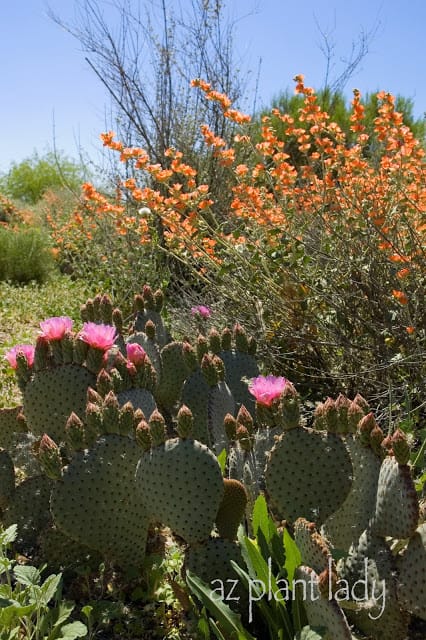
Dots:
pixel 21 310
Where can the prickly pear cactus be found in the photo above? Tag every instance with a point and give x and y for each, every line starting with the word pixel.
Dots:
pixel 321 609
pixel 368 574
pixel 95 500
pixel 148 306
pixel 308 474
pixel 12 423
pixel 411 567
pixel 183 481
pixel 7 479
pixel 29 509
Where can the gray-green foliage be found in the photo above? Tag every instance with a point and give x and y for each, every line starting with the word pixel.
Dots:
pixel 31 607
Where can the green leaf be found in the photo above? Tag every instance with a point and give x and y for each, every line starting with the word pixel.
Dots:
pixel 50 587
pixel 63 612
pixel 261 517
pixel 8 535
pixel 72 631
pixel 27 575
pixel 227 619
pixel 221 458
pixel 292 556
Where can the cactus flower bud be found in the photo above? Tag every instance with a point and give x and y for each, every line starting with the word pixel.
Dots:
pixel 189 356
pixel 143 435
pixel 319 417
pixel 355 414
pixel 117 320
pixel 365 427
pixel 226 339
pixel 376 439
pixel 138 304
pixel 230 426
pixel 245 419
pixel 158 428
pixel 243 437
pixel 94 422
pixel 214 341
pixel 342 406
pixel 148 298
pixel 400 446
pixel 362 402
pixel 387 446
pixel 185 422
pixel 105 309
pixel 252 346
pixel 50 458
pixel 126 419
pixel 158 300
pixel 111 413
pixel 240 337
pixel 290 402
pixel 209 370
pixel 104 382
pixel 150 329
pixel 74 433
pixel 331 415
pixel 202 347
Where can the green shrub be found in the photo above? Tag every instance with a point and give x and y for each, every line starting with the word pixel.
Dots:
pixel 25 255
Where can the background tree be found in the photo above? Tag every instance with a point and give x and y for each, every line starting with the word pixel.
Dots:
pixel 29 179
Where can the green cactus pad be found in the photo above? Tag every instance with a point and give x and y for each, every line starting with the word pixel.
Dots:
pixel 52 395
pixel 7 479
pixel 161 332
pixel 174 372
pixel 344 527
pixel 313 548
pixel 220 403
pixel 183 487
pixel 238 367
pixel 412 574
pixel 211 561
pixel 308 474
pixel 61 553
pixel 29 509
pixel 139 398
pixel 321 611
pixel 397 507
pixel 195 395
pixel 10 426
pixel 98 504
pixel 369 572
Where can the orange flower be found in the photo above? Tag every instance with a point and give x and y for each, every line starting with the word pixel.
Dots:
pixel 400 296
pixel 410 330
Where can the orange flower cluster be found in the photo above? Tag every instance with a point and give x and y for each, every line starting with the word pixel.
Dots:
pixel 299 174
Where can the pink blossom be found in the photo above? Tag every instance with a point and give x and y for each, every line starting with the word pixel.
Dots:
pixel 267 388
pixel 135 353
pixel 55 328
pixel 201 310
pixel 26 349
pixel 99 336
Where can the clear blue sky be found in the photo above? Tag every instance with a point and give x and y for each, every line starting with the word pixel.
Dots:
pixel 49 92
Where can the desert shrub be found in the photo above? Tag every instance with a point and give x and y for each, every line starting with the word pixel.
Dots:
pixel 25 255
pixel 323 259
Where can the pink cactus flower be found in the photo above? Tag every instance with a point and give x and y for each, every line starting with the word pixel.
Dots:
pixel 55 328
pixel 267 388
pixel 135 353
pixel 99 336
pixel 26 349
pixel 202 311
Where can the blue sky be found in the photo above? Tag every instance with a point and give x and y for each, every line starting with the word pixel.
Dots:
pixel 49 93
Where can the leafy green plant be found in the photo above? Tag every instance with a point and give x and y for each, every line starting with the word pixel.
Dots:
pixel 25 255
pixel 31 608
